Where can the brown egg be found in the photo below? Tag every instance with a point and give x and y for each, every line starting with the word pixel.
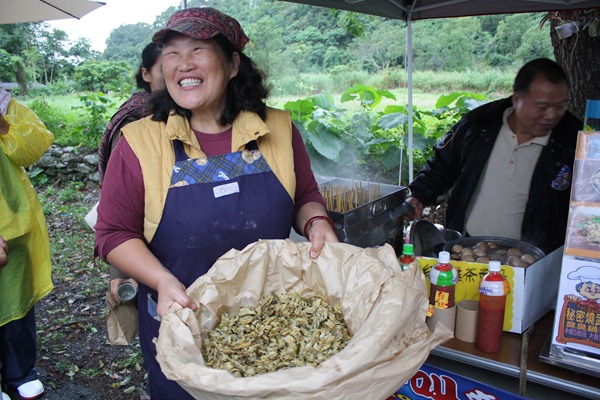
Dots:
pixel 483 260
pixel 481 245
pixel 513 251
pixel 457 248
pixel 466 252
pixel 496 256
pixel 479 252
pixel 528 258
pixel 515 261
pixel 468 258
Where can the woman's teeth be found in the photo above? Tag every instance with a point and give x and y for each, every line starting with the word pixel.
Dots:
pixel 190 82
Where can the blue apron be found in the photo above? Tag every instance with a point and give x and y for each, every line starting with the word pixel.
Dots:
pixel 214 204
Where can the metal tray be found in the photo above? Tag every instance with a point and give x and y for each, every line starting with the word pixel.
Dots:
pixel 372 223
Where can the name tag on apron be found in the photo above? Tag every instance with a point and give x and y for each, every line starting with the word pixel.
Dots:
pixel 226 190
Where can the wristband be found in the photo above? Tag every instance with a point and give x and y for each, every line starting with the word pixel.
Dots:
pixel 310 221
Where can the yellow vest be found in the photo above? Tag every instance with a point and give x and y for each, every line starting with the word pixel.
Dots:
pixel 151 141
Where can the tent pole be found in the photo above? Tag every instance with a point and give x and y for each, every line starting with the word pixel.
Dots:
pixel 410 97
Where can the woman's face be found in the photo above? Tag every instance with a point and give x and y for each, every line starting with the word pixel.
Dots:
pixel 196 73
pixel 154 76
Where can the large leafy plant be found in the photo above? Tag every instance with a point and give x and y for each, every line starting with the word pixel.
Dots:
pixel 369 143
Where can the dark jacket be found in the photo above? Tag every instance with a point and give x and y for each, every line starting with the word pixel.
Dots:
pixel 460 158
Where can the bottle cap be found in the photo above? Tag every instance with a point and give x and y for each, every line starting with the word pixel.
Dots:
pixel 444 257
pixel 408 249
pixel 494 266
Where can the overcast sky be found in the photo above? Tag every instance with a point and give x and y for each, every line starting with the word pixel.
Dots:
pixel 98 24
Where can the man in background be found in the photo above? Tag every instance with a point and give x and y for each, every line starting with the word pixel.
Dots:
pixel 508 163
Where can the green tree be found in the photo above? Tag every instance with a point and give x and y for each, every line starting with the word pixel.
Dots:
pixel 126 43
pixel 81 51
pixel 18 40
pixel 381 46
pixel 103 76
pixel 53 53
pixel 509 37
pixel 458 37
pixel 266 45
pixel 427 48
pixel 536 43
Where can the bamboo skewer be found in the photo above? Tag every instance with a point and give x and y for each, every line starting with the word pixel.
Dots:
pixel 348 197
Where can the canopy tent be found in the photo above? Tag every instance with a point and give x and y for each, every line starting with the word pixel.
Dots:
pixel 425 9
pixel 411 10
pixel 17 11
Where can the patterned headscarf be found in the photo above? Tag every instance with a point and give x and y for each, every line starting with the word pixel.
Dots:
pixel 204 23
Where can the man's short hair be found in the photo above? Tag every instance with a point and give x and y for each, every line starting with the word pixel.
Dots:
pixel 545 67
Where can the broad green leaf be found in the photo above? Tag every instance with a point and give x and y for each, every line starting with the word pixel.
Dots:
pixel 390 121
pixel 302 106
pixel 326 143
pixel 447 99
pixel 391 158
pixel 324 101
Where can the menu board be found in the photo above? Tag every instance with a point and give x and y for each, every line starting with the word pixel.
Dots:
pixel 583 226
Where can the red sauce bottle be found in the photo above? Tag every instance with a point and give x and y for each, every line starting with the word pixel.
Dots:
pixel 492 302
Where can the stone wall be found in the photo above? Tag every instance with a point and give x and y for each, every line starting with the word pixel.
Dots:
pixel 70 164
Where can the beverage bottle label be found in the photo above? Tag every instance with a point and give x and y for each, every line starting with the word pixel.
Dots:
pixel 494 285
pixel 442 278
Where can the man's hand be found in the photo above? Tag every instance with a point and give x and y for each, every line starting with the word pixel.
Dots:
pixel 418 209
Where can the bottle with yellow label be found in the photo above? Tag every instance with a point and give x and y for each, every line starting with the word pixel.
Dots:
pixel 442 277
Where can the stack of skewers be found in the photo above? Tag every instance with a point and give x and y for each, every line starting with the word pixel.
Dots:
pixel 345 198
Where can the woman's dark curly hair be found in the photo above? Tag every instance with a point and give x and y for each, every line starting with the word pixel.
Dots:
pixel 246 91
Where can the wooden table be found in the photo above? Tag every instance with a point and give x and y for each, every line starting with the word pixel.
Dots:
pixel 519 358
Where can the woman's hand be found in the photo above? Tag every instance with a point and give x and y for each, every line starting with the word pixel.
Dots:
pixel 320 232
pixel 134 259
pixel 3 252
pixel 171 291
pixel 114 286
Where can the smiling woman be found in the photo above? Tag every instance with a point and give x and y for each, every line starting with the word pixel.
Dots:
pixel 212 169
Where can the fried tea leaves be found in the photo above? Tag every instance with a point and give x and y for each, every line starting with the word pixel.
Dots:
pixel 282 331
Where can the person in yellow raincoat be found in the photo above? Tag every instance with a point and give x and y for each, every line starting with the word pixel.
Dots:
pixel 26 277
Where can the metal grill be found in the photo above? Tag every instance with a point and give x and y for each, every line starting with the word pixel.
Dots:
pixel 365 213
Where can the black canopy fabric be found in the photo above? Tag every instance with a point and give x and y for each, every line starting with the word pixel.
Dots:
pixel 425 9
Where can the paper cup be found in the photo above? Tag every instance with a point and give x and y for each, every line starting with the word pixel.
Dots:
pixel 446 317
pixel 466 320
